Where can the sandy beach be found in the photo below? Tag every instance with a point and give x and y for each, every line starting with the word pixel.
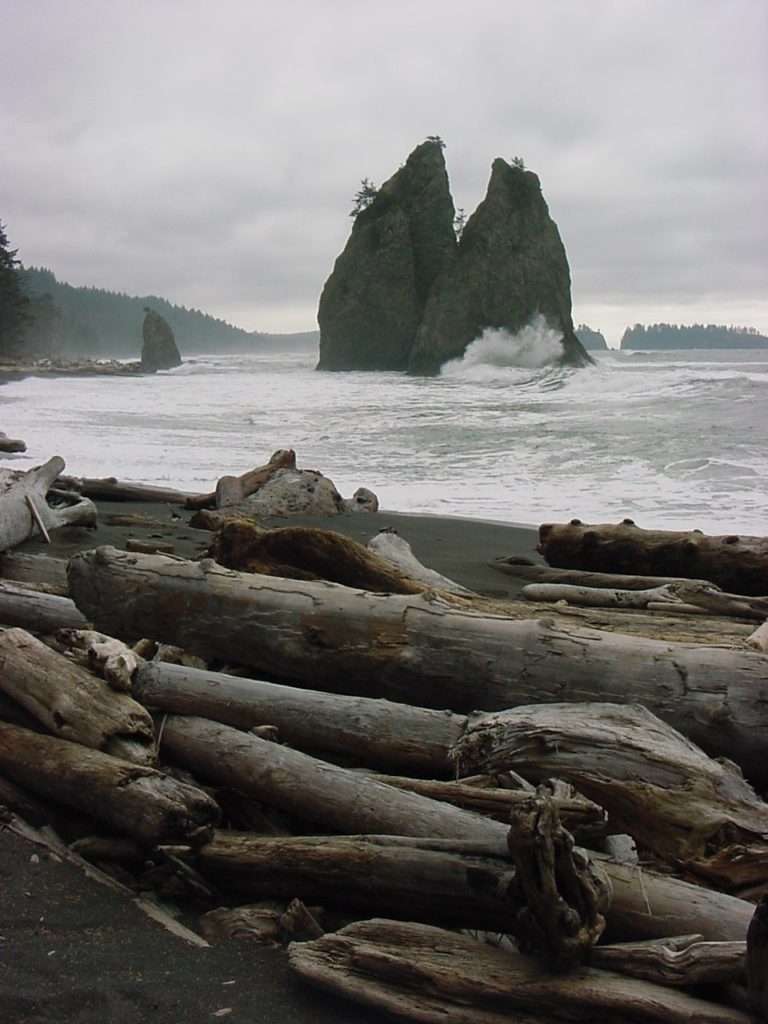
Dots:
pixel 72 950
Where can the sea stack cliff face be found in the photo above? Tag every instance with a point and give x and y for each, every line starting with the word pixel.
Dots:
pixel 510 267
pixel 374 301
pixel 158 351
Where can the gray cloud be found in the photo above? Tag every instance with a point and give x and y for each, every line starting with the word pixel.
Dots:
pixel 208 151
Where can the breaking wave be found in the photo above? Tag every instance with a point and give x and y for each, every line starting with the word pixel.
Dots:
pixel 534 347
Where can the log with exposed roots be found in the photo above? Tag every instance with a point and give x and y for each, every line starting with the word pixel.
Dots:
pixel 24 509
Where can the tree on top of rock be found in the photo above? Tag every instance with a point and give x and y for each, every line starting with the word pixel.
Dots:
pixel 363 197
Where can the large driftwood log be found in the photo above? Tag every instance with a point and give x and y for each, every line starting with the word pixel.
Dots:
pixel 737 564
pixel 72 703
pixel 23 507
pixel 424 648
pixel 36 611
pixel 682 960
pixel 112 489
pixel 40 570
pixel 644 905
pixel 419 972
pixel 140 801
pixel 378 733
pixel 231 490
pixel 696 813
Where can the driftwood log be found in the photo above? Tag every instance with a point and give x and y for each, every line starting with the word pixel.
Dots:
pixel 112 489
pixel 532 572
pixel 11 444
pixel 694 812
pixel 231 490
pixel 72 703
pixel 424 648
pixel 419 972
pixel 390 546
pixel 140 801
pixel 644 905
pixel 24 509
pixel 737 564
pixel 682 960
pixel 37 611
pixel 39 570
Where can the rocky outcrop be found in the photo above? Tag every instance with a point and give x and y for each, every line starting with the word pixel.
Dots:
pixel 510 268
pixel 374 300
pixel 159 350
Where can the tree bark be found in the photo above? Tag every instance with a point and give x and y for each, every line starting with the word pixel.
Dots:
pixel 697 814
pixel 140 801
pixel 395 646
pixel 37 611
pixel 70 702
pixel 423 973
pixel 337 799
pixel 737 564
pixel 17 520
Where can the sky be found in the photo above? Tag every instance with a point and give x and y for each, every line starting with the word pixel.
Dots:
pixel 207 151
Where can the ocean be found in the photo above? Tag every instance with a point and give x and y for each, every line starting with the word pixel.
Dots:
pixel 675 440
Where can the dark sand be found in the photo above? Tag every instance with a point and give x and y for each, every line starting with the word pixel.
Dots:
pixel 74 952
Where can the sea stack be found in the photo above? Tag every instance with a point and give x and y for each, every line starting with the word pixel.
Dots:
pixel 374 300
pixel 510 267
pixel 159 351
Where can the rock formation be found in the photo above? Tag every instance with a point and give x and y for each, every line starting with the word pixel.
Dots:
pixel 510 268
pixel 374 300
pixel 159 350
pixel 405 295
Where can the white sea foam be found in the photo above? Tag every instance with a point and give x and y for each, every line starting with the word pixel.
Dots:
pixel 537 345
pixel 674 442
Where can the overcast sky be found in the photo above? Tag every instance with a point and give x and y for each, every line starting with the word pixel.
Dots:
pixel 207 150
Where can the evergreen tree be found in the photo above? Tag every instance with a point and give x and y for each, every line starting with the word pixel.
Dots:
pixel 13 301
pixel 364 197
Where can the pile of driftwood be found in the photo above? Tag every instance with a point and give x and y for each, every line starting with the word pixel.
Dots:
pixel 288 768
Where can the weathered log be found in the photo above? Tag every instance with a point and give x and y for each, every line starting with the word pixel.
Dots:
pixel 41 570
pixel 378 733
pixel 37 611
pixel 671 596
pixel 525 569
pixel 112 659
pixel 424 647
pixel 306 553
pixel 70 702
pixel 419 972
pixel 757 959
pixel 681 960
pixel 390 546
pixel 140 801
pixel 17 521
pixel 737 564
pixel 696 813
pixel 11 444
pixel 232 490
pixel 112 489
pixel 759 639
pixel 345 801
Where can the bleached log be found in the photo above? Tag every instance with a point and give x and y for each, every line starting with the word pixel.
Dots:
pixel 737 564
pixel 692 811
pixel 644 905
pixel 140 801
pixel 759 639
pixel 398 646
pixel 422 973
pixel 670 596
pixel 112 489
pixel 69 701
pixel 113 660
pixel 17 522
pixel 390 546
pixel 525 569
pixel 378 733
pixel 41 570
pixel 679 960
pixel 37 611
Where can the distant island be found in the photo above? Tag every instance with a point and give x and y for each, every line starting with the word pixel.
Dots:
pixel 93 323
pixel 592 340
pixel 678 336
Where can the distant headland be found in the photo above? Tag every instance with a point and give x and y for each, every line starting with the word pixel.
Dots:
pixel 662 337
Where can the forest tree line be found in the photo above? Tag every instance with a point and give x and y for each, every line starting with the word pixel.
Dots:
pixel 671 336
